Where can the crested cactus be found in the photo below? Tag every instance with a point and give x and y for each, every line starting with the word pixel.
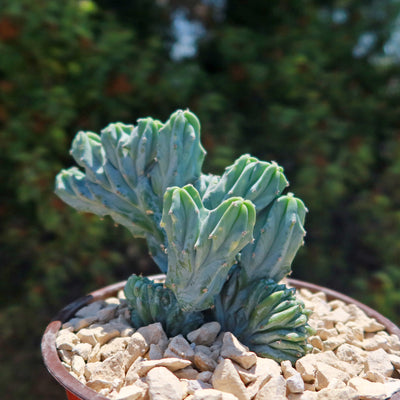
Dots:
pixel 224 242
pixel 152 302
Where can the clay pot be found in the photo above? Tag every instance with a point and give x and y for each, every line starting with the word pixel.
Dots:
pixel 77 391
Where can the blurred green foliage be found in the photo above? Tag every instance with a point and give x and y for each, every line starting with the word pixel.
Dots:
pixel 286 82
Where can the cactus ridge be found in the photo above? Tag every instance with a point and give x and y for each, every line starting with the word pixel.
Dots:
pixel 265 316
pixel 151 302
pixel 203 243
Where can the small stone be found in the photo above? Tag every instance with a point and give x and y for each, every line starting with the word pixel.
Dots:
pixel 295 383
pixel 368 390
pixel 65 356
pixel 204 376
pixel 395 360
pixel 131 392
pixel 227 379
pixel 95 354
pixel 154 333
pixel 287 369
pixel 87 335
pixel 337 304
pixel 334 342
pixel 123 326
pixel 326 372
pixel 325 334
pixel 346 393
pixel 375 342
pixel 107 313
pixel 352 355
pixel 206 334
pixel 164 385
pixel 338 315
pixel 90 310
pixel 187 373
pixel 194 384
pixel 316 341
pixel 105 333
pixel 302 396
pixel 155 352
pixel 108 370
pixel 234 350
pixel 179 347
pixel 137 347
pixel 66 340
pixel 172 364
pixel 203 361
pixel 275 389
pixel 335 384
pixel 79 323
pixel 245 375
pixel 366 323
pixel 306 367
pixel 374 376
pixel 83 350
pixel 212 394
pixel 112 300
pixel 264 369
pixel 78 365
pixel 379 361
pixel 112 347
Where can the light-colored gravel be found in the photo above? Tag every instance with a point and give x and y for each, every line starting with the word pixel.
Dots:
pixel 353 357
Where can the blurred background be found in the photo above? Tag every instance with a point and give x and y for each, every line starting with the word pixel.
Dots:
pixel 313 85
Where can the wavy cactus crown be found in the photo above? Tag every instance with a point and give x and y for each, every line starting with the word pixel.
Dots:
pixel 215 237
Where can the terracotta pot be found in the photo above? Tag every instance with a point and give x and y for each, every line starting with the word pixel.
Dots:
pixel 77 391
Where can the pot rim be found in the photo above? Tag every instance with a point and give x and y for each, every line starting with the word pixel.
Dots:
pixel 72 385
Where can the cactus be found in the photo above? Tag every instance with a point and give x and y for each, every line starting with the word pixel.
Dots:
pixel 265 316
pixel 151 302
pixel 203 243
pixel 224 242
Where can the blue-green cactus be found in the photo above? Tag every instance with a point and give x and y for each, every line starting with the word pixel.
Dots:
pixel 151 302
pixel 199 228
pixel 203 243
pixel 265 316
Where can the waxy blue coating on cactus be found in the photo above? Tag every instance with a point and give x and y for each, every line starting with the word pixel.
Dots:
pixel 265 316
pixel 258 181
pixel 125 164
pixel 278 235
pixel 203 243
pixel 151 302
